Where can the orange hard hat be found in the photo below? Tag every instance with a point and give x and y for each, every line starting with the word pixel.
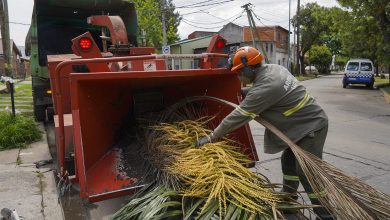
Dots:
pixel 246 56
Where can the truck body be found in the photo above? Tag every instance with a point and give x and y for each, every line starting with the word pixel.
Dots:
pixel 99 80
pixel 54 24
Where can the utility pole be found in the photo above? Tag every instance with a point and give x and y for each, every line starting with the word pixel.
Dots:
pixel 4 22
pixel 298 72
pixel 164 29
pixel 289 33
pixel 253 27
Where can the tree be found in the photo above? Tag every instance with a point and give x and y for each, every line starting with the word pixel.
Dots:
pixel 321 57
pixel 378 10
pixel 149 20
pixel 173 23
pixel 314 21
pixel 361 38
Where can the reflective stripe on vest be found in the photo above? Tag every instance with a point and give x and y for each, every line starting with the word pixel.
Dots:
pixel 243 112
pixel 297 107
pixel 317 195
pixel 291 178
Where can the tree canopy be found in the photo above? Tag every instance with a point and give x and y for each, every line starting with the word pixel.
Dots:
pixel 150 21
pixel 358 30
pixel 321 57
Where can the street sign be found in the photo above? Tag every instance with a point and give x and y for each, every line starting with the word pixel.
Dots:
pixel 166 49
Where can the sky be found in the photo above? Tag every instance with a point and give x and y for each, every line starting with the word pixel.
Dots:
pixel 211 17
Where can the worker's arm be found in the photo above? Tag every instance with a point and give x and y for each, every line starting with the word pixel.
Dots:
pixel 258 99
pixel 255 102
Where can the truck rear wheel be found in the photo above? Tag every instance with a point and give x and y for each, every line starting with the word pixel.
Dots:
pixel 40 113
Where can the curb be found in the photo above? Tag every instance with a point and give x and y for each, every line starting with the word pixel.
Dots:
pixel 386 96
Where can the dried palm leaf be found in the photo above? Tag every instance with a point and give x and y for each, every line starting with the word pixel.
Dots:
pixel 347 197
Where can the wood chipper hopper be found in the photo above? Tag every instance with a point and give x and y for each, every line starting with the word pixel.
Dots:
pixel 95 93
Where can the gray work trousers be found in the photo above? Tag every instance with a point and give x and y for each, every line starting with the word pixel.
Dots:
pixel 293 174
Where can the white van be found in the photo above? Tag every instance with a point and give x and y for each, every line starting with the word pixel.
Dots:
pixel 359 71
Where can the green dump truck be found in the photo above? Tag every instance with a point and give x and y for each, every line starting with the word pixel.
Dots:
pixel 54 23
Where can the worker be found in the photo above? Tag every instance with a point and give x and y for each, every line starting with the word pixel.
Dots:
pixel 280 99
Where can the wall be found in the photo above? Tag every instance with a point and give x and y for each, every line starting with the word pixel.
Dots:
pixel 188 47
pixel 266 34
pixel 271 34
pixel 232 33
pixel 281 58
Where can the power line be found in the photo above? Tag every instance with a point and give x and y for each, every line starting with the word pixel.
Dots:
pixel 260 19
pixel 210 28
pixel 218 22
pixel 208 4
pixel 270 13
pixel 200 11
pixel 257 17
pixel 11 22
pixel 187 6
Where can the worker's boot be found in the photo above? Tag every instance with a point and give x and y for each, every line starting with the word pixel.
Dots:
pixel 290 187
pixel 321 212
pixel 290 178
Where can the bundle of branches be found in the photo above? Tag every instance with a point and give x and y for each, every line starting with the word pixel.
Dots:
pixel 347 197
pixel 205 183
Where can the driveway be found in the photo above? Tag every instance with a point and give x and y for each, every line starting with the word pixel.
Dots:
pixel 358 141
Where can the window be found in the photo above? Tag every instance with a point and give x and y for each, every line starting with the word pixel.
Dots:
pixel 364 66
pixel 279 36
pixel 353 66
pixel 272 47
pixel 278 62
pixel 195 64
pixel 284 61
pixel 266 47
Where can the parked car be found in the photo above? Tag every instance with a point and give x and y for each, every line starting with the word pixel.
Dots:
pixel 311 70
pixel 359 71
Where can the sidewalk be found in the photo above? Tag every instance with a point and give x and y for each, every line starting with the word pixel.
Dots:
pixel 31 191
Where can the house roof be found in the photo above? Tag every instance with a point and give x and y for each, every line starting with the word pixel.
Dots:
pixel 13 47
pixel 273 26
pixel 190 40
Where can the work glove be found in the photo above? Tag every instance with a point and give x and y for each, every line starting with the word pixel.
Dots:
pixel 204 140
pixel 244 91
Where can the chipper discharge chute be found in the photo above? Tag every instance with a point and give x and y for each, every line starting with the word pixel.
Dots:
pixel 97 94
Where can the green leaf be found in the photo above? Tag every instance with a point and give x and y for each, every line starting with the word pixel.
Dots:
pixel 192 207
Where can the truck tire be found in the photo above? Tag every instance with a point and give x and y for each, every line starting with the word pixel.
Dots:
pixel 370 85
pixel 40 113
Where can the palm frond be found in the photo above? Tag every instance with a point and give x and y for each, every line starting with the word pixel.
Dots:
pixel 347 197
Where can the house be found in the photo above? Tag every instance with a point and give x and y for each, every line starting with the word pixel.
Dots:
pixel 187 46
pixel 274 43
pixel 24 62
pixel 274 40
pixel 17 66
pixel 197 34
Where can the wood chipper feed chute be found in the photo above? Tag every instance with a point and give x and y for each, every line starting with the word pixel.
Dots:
pixel 101 103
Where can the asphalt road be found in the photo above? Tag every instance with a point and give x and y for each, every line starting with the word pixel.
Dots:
pixel 358 141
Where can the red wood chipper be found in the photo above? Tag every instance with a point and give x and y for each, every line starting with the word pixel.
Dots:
pixel 93 92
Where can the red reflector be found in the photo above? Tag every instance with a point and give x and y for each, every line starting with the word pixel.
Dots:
pixel 85 43
pixel 220 44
